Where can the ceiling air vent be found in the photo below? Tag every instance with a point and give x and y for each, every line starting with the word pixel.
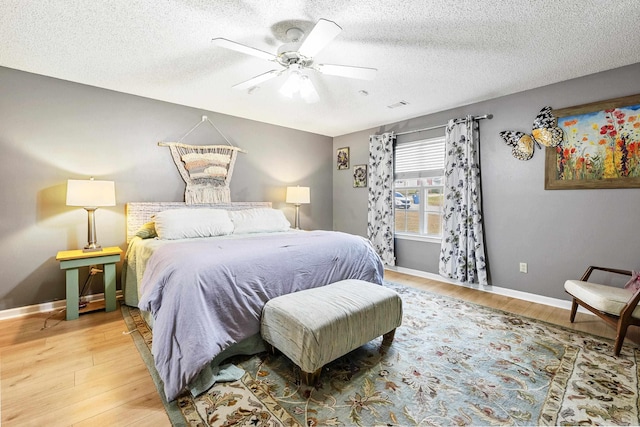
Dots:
pixel 398 104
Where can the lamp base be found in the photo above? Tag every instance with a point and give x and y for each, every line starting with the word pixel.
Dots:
pixel 92 245
pixel 297 223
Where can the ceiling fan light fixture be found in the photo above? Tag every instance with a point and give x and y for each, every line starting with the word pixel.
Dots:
pixel 298 83
pixel 308 91
pixel 292 85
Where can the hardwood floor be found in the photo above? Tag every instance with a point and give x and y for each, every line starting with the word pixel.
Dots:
pixel 584 322
pixel 86 372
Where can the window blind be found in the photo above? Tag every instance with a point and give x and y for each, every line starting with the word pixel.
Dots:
pixel 419 159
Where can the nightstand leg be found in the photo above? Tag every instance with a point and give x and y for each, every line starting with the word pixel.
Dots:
pixel 72 293
pixel 110 287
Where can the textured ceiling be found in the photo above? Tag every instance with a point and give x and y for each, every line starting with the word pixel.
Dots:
pixel 434 54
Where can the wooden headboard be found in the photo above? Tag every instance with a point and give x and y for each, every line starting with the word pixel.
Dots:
pixel 139 213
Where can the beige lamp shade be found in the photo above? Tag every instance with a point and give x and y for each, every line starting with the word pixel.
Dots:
pixel 298 195
pixel 90 193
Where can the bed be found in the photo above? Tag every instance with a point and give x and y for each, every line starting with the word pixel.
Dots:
pixel 202 286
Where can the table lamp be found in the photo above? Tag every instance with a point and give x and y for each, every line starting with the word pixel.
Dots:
pixel 298 196
pixel 91 194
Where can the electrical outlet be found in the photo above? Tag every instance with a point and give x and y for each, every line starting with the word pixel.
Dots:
pixel 523 267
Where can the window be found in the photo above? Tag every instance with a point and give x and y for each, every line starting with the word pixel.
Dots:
pixel 419 188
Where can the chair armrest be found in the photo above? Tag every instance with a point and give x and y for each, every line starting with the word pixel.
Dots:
pixel 630 306
pixel 587 273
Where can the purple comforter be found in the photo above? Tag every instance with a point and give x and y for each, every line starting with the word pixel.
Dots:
pixel 207 295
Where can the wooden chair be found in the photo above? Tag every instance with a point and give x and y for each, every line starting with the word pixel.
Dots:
pixel 615 305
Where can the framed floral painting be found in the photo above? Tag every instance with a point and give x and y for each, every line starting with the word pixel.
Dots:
pixel 360 176
pixel 342 157
pixel 600 147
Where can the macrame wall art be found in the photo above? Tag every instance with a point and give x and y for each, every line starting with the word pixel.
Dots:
pixel 206 169
pixel 544 132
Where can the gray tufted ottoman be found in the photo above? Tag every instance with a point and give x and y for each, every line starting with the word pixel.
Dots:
pixel 316 326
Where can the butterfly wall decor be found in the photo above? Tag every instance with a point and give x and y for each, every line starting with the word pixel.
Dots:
pixel 544 132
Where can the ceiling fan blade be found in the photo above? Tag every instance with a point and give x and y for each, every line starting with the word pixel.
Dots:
pixel 258 79
pixel 362 73
pixel 228 44
pixel 322 33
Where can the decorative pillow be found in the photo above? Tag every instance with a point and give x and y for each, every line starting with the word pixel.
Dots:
pixel 206 165
pixel 258 220
pixel 147 231
pixel 191 223
pixel 634 283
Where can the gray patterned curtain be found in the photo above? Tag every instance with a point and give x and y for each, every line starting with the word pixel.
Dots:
pixel 462 256
pixel 380 218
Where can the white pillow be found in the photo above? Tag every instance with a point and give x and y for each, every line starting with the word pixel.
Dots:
pixel 190 223
pixel 258 220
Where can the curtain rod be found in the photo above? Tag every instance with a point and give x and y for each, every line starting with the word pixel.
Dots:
pixel 486 116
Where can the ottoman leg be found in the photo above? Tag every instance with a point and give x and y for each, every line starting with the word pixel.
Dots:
pixel 311 378
pixel 387 338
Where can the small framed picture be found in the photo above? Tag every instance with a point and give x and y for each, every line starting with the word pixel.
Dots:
pixel 342 157
pixel 360 176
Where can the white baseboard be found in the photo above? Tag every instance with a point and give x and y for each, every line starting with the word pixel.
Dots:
pixel 526 296
pixel 47 306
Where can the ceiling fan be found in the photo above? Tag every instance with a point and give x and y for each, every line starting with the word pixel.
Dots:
pixel 296 56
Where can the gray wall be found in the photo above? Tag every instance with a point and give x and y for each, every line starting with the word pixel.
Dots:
pixel 53 130
pixel 558 233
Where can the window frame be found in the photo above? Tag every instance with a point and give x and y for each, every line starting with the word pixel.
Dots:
pixel 436 170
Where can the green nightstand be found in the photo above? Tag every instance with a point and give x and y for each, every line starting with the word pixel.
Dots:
pixel 70 261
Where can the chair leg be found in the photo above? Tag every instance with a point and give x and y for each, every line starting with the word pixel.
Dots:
pixel 622 331
pixel 574 309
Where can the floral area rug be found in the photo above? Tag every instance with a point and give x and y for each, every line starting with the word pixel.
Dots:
pixel 451 363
